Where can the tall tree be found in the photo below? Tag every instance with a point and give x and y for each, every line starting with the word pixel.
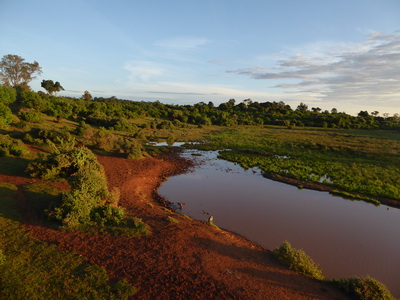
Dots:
pixel 87 96
pixel 14 71
pixel 51 87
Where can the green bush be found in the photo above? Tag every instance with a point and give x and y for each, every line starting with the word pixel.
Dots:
pixel 30 99
pixel 8 95
pixel 364 288
pixel 298 260
pixel 31 116
pixel 108 215
pixel 6 116
pixel 64 161
pixel 10 146
pixel 89 197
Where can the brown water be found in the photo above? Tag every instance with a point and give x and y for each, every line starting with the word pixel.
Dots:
pixel 347 238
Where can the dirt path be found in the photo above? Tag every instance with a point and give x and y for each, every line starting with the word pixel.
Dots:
pixel 187 260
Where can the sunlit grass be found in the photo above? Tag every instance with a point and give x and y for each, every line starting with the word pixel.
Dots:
pixel 366 162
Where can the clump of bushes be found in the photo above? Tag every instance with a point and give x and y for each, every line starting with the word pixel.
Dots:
pixel 10 146
pixel 31 116
pixel 6 116
pixel 298 260
pixel 89 199
pixel 364 288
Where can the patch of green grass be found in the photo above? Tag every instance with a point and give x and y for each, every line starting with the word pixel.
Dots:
pixel 364 288
pixel 172 220
pixel 42 197
pixel 298 260
pixel 357 197
pixel 31 269
pixel 356 161
pixel 13 166
pixel 133 227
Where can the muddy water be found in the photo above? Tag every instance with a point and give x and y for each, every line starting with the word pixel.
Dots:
pixel 347 238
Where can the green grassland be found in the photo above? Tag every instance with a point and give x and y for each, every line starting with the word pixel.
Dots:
pixel 358 161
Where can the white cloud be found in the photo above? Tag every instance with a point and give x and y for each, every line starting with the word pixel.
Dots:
pixel 143 70
pixel 357 72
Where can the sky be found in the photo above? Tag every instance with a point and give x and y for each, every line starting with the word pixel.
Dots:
pixel 342 54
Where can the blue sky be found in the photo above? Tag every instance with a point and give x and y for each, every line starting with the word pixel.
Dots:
pixel 342 54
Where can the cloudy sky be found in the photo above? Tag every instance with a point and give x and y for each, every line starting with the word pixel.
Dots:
pixel 343 53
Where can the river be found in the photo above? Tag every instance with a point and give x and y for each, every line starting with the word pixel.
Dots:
pixel 347 238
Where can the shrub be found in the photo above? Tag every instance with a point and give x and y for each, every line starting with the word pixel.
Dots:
pixel 108 215
pixel 88 190
pixel 298 260
pixel 31 116
pixel 10 146
pixel 30 99
pixel 89 199
pixel 6 116
pixel 364 288
pixel 8 95
pixel 64 161
pixel 81 129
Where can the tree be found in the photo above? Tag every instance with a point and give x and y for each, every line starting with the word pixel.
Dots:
pixel 14 71
pixel 51 87
pixel 87 96
pixel 302 107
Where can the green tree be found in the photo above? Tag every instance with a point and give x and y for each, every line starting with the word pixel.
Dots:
pixel 51 87
pixel 87 96
pixel 5 115
pixel 14 71
pixel 7 95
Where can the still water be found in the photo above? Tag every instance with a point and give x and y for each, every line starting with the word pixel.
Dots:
pixel 347 238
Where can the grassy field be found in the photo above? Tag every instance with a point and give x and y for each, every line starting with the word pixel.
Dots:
pixel 360 161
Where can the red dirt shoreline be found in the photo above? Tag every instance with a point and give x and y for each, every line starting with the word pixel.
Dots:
pixel 187 260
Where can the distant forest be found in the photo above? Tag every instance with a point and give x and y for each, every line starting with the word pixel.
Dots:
pixel 113 113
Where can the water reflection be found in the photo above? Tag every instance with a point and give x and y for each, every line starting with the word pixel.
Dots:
pixel 347 238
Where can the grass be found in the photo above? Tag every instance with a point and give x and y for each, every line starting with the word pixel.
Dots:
pixel 172 220
pixel 355 161
pixel 31 269
pixel 133 227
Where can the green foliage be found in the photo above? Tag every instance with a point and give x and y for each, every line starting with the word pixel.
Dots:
pixel 108 215
pixel 8 95
pixel 363 162
pixel 364 288
pixel 352 196
pixel 172 220
pixel 89 199
pixel 64 161
pixel 80 130
pixel 88 190
pixel 30 269
pixel 30 99
pixel 55 136
pixel 6 116
pixel 31 116
pixel 51 87
pixel 10 146
pixel 298 260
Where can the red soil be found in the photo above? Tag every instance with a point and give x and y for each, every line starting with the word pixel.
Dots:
pixel 187 260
